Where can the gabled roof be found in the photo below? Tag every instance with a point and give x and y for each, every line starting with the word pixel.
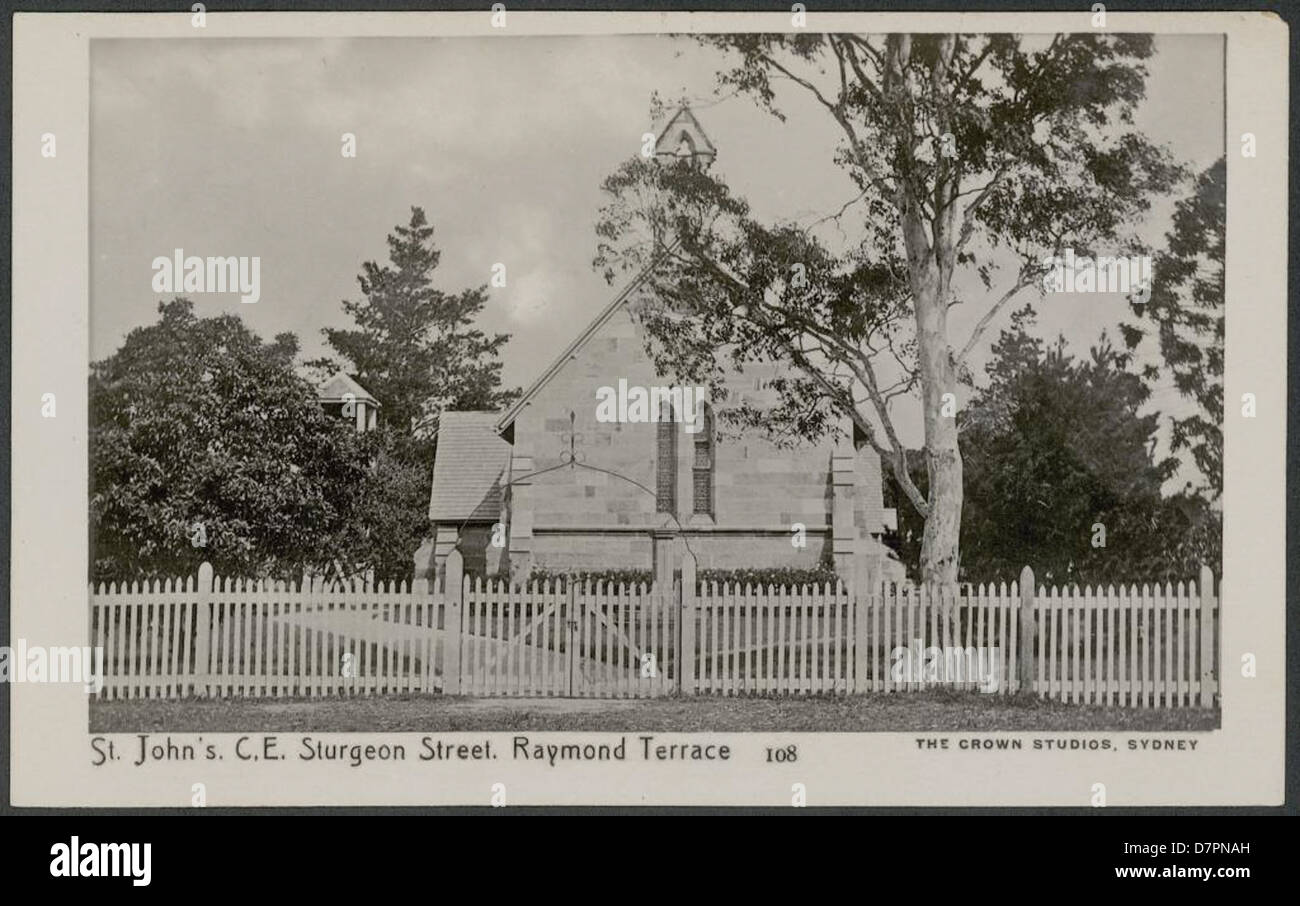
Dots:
pixel 572 351
pixel 340 386
pixel 684 121
pixel 468 469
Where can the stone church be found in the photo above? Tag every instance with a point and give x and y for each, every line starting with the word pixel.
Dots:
pixel 554 482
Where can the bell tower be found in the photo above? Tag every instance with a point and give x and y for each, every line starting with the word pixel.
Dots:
pixel 682 138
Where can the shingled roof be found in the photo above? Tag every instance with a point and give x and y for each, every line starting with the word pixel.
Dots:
pixel 468 470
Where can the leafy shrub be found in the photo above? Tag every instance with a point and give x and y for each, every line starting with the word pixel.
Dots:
pixel 790 577
pixel 559 578
pixel 614 577
pixel 777 576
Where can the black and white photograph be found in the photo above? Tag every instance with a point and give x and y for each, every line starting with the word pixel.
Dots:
pixel 794 381
pixel 512 395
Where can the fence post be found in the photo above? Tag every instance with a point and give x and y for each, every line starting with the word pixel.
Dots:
pixel 862 581
pixel 1207 633
pixel 1026 668
pixel 203 627
pixel 686 651
pixel 453 585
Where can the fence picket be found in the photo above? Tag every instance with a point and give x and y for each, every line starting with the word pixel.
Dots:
pixel 723 640
pixel 127 625
pixel 1184 648
pixel 740 682
pixel 781 600
pixel 1009 677
pixel 1170 606
pixel 717 603
pixel 1134 689
pixel 930 601
pixel 153 658
pixel 1061 626
pixel 1148 648
pixel 881 643
pixel 1205 632
pixel 729 646
pixel 805 641
pixel 835 611
pixel 1155 638
pixel 1108 639
pixel 657 608
pixel 479 633
pixel 1170 602
pixel 902 629
pixel 544 644
pixel 1123 692
pixel 915 634
pixel 468 636
pixel 223 620
pixel 1086 637
pixel 481 643
pixel 614 618
pixel 473 635
pixel 1005 605
pixel 491 634
pixel 369 656
pixel 1100 655
pixel 510 628
pixel 859 602
pixel 816 639
pixel 1185 644
pixel 810 647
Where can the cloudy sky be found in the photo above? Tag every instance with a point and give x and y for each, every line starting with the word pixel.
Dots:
pixel 232 147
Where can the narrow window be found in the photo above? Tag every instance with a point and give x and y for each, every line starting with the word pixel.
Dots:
pixel 666 451
pixel 704 462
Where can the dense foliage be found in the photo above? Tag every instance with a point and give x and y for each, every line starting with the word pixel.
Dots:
pixel 205 445
pixel 1061 474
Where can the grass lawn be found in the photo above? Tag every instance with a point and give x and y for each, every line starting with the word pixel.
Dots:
pixel 939 710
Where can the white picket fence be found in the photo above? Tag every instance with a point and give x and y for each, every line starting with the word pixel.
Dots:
pixel 233 638
pixel 1132 646
pixel 1135 646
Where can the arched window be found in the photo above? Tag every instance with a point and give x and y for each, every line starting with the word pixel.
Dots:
pixel 666 462
pixel 705 460
pixel 685 147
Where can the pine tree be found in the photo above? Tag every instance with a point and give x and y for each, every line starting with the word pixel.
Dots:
pixel 414 346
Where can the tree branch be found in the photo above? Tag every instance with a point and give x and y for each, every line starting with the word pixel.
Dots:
pixel 1025 280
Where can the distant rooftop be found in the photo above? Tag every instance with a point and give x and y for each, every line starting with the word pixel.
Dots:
pixel 342 385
